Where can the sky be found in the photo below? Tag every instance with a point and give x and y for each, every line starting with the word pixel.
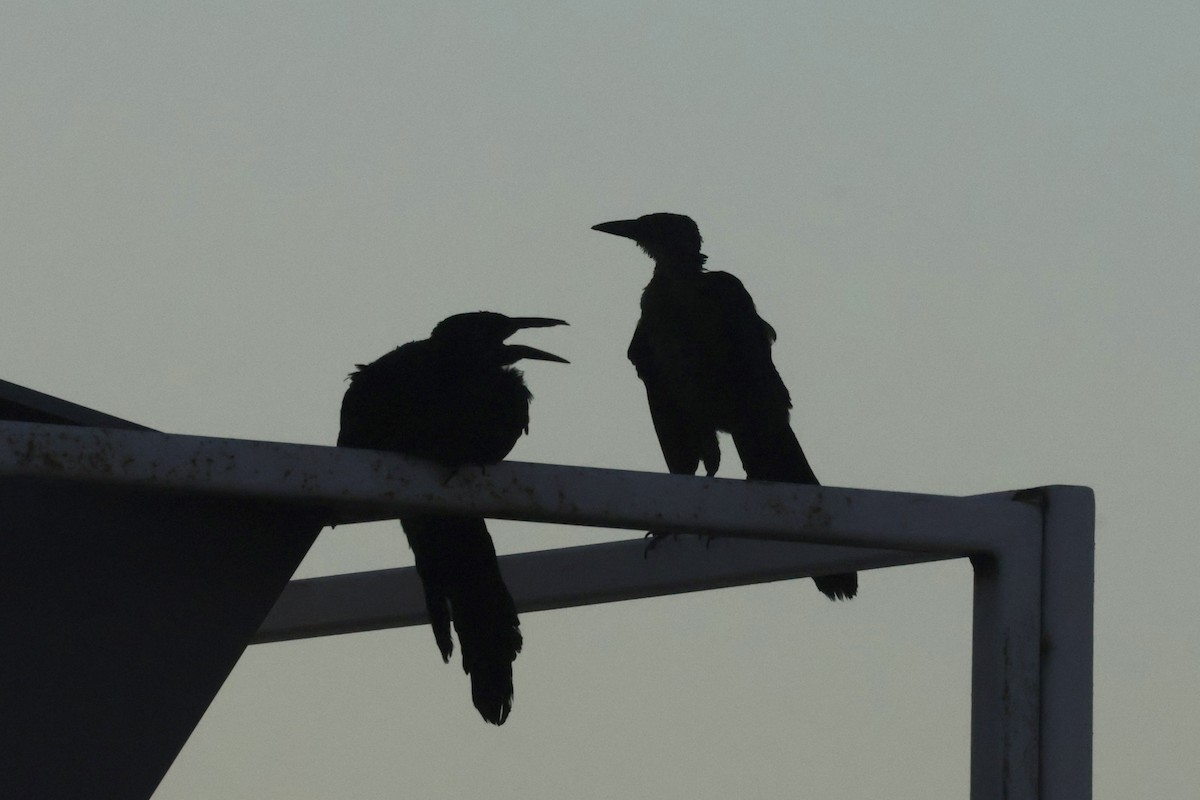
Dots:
pixel 973 225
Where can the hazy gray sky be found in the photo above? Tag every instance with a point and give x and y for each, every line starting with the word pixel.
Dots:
pixel 974 226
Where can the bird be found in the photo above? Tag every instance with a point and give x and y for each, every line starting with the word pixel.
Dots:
pixel 454 399
pixel 704 355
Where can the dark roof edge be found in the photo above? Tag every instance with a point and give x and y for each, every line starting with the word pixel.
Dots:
pixel 27 405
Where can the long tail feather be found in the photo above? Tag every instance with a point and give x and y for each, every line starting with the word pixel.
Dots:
pixel 457 564
pixel 771 452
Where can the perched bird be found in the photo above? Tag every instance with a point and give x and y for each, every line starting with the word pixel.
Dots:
pixel 454 399
pixel 704 355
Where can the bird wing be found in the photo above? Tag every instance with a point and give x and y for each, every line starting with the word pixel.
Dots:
pixel 739 345
pixel 386 405
pixel 756 402
pixel 686 438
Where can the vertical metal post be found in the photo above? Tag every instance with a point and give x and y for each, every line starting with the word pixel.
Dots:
pixel 1068 578
pixel 1005 668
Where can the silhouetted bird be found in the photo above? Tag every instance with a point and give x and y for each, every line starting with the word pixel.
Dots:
pixel 704 354
pixel 454 399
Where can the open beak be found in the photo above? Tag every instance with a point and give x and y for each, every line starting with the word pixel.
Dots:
pixel 519 351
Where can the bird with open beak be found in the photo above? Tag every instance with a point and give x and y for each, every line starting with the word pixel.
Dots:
pixel 455 399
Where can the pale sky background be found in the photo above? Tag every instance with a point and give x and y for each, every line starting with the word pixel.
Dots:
pixel 974 225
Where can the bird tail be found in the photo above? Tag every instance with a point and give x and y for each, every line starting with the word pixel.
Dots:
pixel 842 586
pixel 771 452
pixel 457 564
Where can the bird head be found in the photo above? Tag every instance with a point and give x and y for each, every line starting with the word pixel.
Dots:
pixel 481 335
pixel 666 238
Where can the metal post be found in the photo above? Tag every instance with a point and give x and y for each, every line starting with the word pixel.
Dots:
pixel 1068 578
pixel 1005 669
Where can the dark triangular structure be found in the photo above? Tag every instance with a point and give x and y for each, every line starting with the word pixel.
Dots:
pixel 122 613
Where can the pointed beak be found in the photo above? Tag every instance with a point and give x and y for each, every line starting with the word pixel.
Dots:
pixel 629 228
pixel 519 351
pixel 520 323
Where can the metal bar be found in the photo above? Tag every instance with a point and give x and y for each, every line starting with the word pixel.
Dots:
pixel 1006 667
pixel 356 485
pixel 567 577
pixel 1034 569
pixel 1068 578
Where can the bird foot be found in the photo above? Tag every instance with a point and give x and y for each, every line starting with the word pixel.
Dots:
pixel 655 538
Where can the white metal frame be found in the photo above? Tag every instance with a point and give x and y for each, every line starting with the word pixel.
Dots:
pixel 1032 552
